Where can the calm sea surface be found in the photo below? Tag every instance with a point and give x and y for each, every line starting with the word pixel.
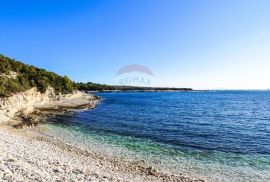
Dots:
pixel 216 136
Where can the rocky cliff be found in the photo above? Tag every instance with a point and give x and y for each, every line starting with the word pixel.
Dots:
pixel 27 102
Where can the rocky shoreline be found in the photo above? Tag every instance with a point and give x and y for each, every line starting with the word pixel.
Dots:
pixel 30 107
pixel 43 112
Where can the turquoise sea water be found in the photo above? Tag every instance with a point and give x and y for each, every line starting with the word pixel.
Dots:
pixel 216 135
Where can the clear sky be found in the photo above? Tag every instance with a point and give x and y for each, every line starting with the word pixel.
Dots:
pixel 203 44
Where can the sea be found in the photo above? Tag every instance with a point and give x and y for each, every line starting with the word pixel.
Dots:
pixel 209 135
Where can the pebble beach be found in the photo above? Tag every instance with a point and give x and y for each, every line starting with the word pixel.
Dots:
pixel 31 156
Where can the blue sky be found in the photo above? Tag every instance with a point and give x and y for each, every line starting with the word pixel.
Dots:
pixel 202 44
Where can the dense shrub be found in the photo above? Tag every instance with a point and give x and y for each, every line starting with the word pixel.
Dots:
pixel 28 77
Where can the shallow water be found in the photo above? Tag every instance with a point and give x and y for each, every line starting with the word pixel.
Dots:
pixel 217 136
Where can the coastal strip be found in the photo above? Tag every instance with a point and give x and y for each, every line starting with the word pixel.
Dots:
pixel 30 155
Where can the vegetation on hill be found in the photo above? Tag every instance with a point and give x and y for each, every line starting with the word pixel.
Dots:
pixel 16 77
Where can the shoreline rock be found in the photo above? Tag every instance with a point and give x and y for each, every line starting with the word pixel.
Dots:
pixel 26 108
